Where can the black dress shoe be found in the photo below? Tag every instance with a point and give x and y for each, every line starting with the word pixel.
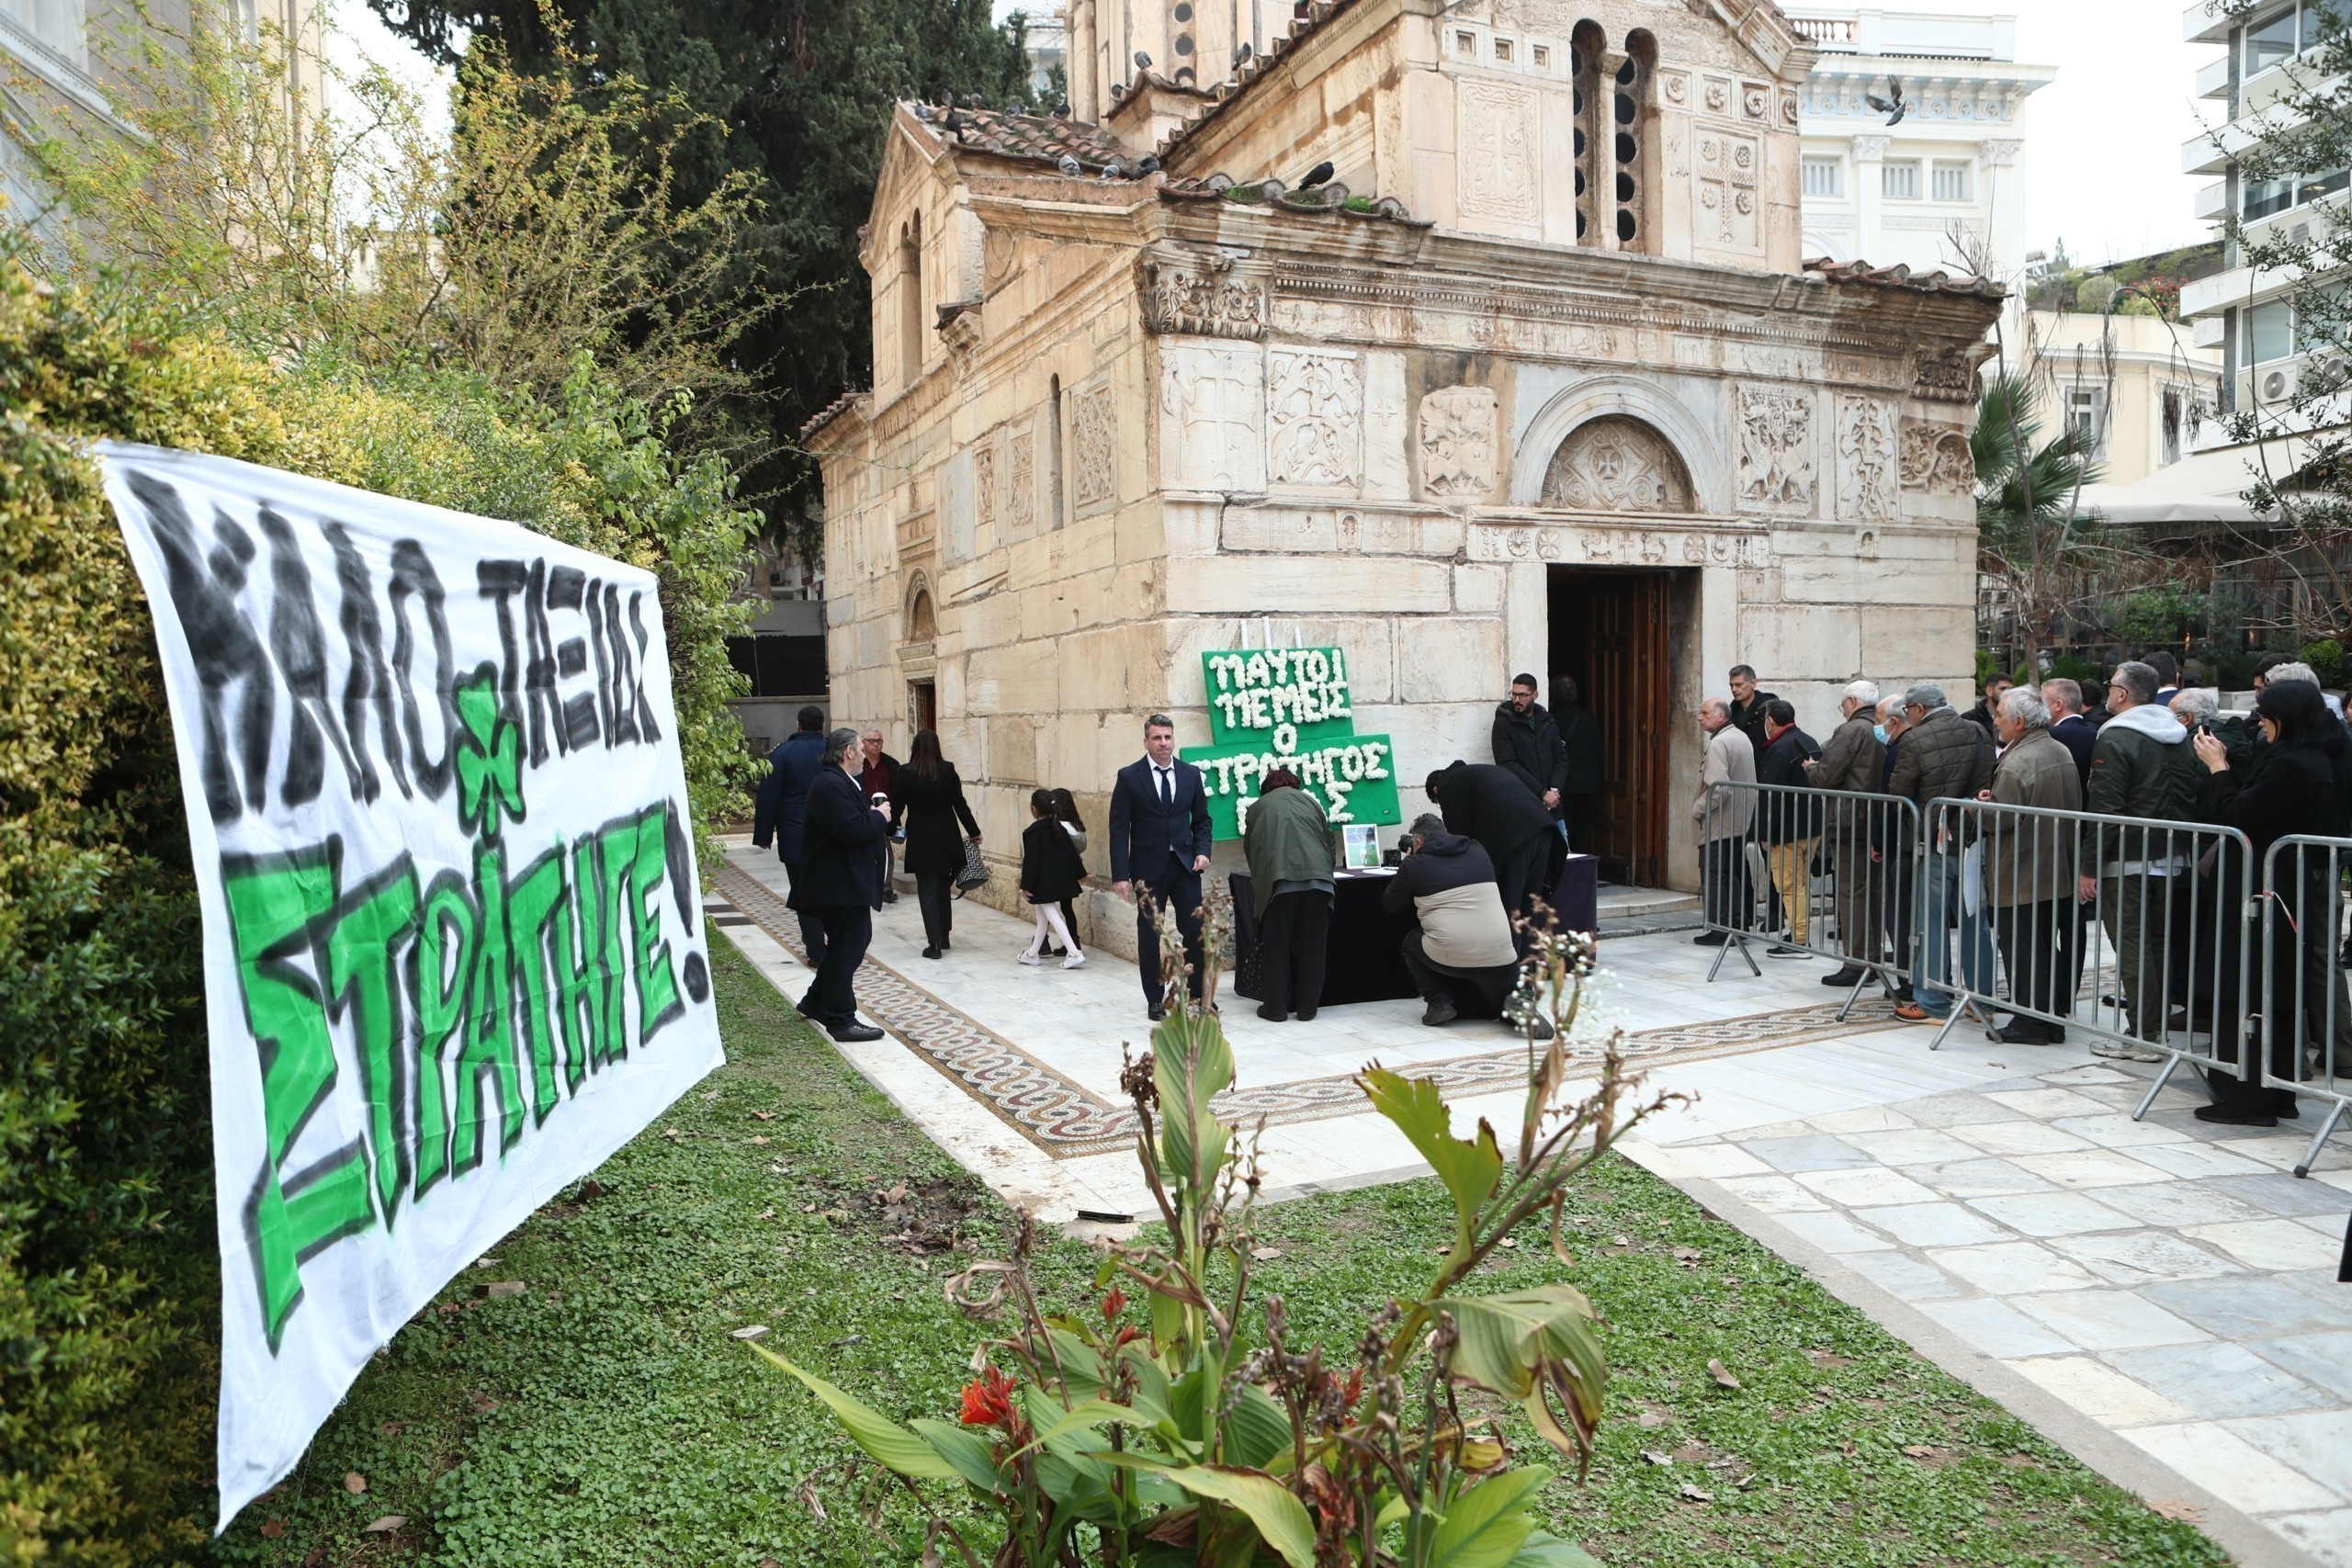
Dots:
pixel 2234 1113
pixel 1849 976
pixel 1272 1015
pixel 1155 1012
pixel 2018 1033
pixel 890 896
pixel 1439 1013
pixel 1711 939
pixel 852 1034
pixel 931 953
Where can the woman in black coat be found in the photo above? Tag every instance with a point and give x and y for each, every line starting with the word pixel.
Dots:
pixel 931 802
pixel 2290 787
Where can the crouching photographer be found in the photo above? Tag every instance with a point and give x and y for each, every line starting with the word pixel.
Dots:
pixel 1461 954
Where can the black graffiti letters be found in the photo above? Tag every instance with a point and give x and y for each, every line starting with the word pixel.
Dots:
pixel 293 697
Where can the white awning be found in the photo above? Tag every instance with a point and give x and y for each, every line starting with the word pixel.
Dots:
pixel 2206 488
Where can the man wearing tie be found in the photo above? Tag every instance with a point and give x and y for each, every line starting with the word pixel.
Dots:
pixel 1159 846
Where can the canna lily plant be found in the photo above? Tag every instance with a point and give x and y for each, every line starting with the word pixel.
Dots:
pixel 1194 1430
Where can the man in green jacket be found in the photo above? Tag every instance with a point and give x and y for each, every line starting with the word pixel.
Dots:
pixel 2142 767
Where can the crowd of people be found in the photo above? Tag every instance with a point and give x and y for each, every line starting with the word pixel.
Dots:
pixel 2083 805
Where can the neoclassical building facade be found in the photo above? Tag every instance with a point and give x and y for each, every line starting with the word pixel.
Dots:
pixel 1535 379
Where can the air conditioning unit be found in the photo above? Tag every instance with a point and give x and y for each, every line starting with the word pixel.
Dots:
pixel 2276 384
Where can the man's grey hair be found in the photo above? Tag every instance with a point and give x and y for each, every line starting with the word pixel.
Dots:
pixel 874 733
pixel 840 744
pixel 2296 671
pixel 2064 695
pixel 1864 692
pixel 2195 705
pixel 1890 709
pixel 1428 822
pixel 1715 705
pixel 1158 721
pixel 1925 694
pixel 2139 681
pixel 2023 705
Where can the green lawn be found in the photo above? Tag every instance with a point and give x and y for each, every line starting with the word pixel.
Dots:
pixel 606 1417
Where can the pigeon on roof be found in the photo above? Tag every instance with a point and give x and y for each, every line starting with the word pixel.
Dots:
pixel 1069 166
pixel 1143 60
pixel 1316 176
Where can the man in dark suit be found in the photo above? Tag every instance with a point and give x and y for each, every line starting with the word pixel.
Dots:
pixel 782 806
pixel 835 883
pixel 1483 802
pixel 2067 726
pixel 1159 846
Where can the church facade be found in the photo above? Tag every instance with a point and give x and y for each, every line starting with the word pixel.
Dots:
pixel 1535 379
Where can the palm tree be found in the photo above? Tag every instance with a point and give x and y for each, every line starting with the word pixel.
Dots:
pixel 2031 532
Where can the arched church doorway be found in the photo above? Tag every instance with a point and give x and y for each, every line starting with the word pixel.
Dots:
pixel 1613 629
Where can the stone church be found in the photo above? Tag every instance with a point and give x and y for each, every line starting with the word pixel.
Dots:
pixel 1535 377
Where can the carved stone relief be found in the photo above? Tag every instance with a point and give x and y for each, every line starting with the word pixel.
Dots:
pixel 1718 95
pixel 1867 461
pixel 1498 161
pixel 1315 418
pixel 1946 372
pixel 984 481
pixel 1020 491
pixel 1615 464
pixel 1211 403
pixel 1618 547
pixel 1776 462
pixel 1094 458
pixel 1208 301
pixel 1458 442
pixel 1936 457
pixel 1755 98
pixel 1725 187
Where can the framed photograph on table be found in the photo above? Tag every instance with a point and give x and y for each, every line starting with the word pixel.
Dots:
pixel 1360 845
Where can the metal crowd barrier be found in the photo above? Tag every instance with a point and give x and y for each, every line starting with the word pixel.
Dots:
pixel 1831 870
pixel 2301 1038
pixel 2153 958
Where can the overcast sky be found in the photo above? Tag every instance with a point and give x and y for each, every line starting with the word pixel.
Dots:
pixel 2102 142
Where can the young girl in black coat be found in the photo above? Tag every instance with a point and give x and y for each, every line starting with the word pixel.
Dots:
pixel 1050 869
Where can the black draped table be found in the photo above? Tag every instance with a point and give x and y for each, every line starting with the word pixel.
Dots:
pixel 1361 963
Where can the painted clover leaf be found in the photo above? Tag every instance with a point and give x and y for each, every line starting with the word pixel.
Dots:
pixel 489 756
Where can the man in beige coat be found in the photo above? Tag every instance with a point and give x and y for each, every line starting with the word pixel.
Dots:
pixel 2030 866
pixel 1851 761
pixel 1724 823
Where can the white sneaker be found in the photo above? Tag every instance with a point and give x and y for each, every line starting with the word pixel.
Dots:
pixel 1075 961
pixel 1029 956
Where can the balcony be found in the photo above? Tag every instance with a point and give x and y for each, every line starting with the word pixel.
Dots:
pixel 2213 202
pixel 2213 80
pixel 1911 35
pixel 2206 21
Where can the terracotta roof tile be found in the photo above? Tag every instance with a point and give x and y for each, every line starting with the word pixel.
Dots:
pixel 826 415
pixel 1306 15
pixel 1900 277
pixel 1320 200
pixel 1009 133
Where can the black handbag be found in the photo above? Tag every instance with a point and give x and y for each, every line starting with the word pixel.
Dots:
pixel 975 873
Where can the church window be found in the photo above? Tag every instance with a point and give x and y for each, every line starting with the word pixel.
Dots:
pixel 1824 176
pixel 1951 182
pixel 910 301
pixel 1629 112
pixel 1898 180
pixel 1585 85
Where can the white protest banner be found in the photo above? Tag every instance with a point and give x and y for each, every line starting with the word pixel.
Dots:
pixel 453 948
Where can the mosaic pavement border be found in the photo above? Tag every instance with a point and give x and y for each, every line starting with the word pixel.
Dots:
pixel 1068 1121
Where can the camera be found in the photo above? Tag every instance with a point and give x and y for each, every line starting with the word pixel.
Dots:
pixel 1406 844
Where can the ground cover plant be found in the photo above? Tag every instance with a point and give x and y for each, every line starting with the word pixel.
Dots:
pixel 607 1416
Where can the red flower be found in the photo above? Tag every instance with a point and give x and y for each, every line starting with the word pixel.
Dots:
pixel 1113 1304
pixel 1125 1335
pixel 988 1401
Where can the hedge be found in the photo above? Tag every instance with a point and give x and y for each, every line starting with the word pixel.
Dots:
pixel 108 1272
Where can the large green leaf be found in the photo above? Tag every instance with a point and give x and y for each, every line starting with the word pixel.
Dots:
pixel 1081 1364
pixel 1485 1525
pixel 1544 1549
pixel 1258 1429
pixel 1089 1412
pixel 883 1438
pixel 1280 1519
pixel 1468 1167
pixel 968 1453
pixel 1191 1064
pixel 1504 1341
